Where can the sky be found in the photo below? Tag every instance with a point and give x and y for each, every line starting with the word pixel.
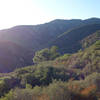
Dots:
pixel 32 12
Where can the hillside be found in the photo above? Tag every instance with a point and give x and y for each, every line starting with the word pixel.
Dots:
pixel 70 41
pixel 86 42
pixel 13 56
pixel 86 61
pixel 72 77
pixel 66 34
pixel 36 36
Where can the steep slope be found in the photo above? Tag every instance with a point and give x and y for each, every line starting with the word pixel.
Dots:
pixel 27 38
pixel 86 61
pixel 37 36
pixel 70 41
pixel 44 81
pixel 31 38
pixel 13 56
pixel 86 42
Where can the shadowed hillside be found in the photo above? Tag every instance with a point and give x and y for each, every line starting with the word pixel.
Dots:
pixel 13 56
pixel 66 34
pixel 70 41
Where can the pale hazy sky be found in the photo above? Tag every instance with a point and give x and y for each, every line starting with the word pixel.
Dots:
pixel 30 12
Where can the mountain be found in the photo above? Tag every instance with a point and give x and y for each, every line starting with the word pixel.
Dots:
pixel 24 40
pixel 36 36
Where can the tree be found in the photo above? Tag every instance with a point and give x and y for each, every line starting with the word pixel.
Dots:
pixel 46 54
pixel 54 52
pixel 58 91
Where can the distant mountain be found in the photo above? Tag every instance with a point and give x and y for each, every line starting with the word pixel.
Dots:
pixel 37 36
pixel 26 39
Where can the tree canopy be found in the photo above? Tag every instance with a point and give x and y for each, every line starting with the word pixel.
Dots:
pixel 46 54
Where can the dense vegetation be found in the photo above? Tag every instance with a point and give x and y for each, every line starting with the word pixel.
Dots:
pixel 55 76
pixel 86 42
